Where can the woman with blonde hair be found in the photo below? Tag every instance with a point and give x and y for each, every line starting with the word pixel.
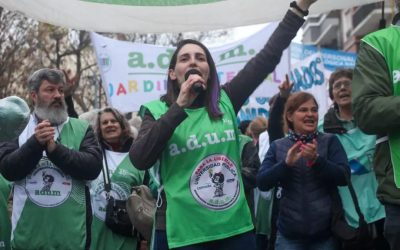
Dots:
pixel 256 127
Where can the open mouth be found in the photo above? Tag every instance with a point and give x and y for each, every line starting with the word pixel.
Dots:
pixel 309 122
pixel 344 96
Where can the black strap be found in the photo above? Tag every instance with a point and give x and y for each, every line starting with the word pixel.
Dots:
pixel 296 7
pixel 355 200
pixel 146 178
pixel 106 174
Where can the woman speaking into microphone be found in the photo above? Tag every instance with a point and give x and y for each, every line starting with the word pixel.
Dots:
pixel 195 141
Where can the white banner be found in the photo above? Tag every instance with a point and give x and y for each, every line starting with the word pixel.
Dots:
pixel 312 67
pixel 127 16
pixel 134 74
pixel 311 76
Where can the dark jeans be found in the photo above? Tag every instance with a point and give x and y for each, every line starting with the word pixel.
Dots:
pixel 392 226
pixel 262 241
pixel 283 243
pixel 237 242
pixel 380 243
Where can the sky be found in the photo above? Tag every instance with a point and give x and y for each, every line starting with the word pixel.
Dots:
pixel 243 32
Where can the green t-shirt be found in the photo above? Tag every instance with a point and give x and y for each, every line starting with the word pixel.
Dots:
pixel 49 206
pixel 200 171
pixel 123 177
pixel 5 222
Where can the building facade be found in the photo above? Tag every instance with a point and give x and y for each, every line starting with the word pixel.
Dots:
pixel 343 29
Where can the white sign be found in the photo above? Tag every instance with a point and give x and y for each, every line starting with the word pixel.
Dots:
pixel 310 75
pixel 312 67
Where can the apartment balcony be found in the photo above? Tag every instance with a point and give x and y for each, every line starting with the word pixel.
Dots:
pixel 366 18
pixel 322 30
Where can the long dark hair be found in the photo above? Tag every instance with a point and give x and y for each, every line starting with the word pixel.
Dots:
pixel 212 93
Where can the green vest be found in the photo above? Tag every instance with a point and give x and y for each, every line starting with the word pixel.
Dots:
pixel 360 150
pixel 386 42
pixel 123 177
pixel 5 223
pixel 49 207
pixel 200 171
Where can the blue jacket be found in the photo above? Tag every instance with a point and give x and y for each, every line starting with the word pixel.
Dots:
pixel 305 207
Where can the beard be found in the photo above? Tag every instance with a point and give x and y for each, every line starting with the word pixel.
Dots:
pixel 55 114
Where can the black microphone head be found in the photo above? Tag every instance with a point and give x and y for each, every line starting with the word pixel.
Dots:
pixel 197 87
pixel 192 72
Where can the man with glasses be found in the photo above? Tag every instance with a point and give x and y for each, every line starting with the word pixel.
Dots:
pixel 49 165
pixel 376 107
pixel 360 149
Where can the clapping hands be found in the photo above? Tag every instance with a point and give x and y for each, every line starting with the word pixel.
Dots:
pixel 44 133
pixel 308 151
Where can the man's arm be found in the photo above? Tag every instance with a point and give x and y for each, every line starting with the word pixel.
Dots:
pixel 375 109
pixel 84 164
pixel 17 162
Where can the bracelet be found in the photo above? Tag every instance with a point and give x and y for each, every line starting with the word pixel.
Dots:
pixel 296 7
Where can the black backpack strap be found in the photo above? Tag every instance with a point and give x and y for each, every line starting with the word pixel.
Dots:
pixel 355 201
pixel 106 174
pixel 146 178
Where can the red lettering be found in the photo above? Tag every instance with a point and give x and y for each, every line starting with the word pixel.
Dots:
pixel 121 89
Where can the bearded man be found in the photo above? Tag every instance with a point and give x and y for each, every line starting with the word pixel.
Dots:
pixel 57 151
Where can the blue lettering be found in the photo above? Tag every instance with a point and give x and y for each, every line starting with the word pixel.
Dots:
pixel 110 89
pixel 262 100
pixel 307 77
pixel 251 113
pixel 148 85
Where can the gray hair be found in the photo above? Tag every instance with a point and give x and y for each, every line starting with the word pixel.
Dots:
pixel 54 76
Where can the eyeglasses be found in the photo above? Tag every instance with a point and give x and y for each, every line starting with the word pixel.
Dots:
pixel 341 84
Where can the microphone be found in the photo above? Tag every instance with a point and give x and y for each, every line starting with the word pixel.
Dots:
pixel 197 86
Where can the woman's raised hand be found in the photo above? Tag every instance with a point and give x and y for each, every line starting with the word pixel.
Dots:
pixel 305 4
pixel 285 88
